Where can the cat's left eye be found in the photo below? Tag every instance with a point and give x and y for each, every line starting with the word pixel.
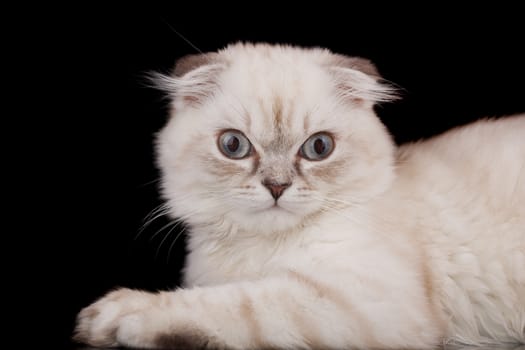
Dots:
pixel 317 147
pixel 233 144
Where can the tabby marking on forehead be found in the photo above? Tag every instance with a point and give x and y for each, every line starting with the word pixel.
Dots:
pixel 282 112
pixel 277 112
pixel 306 123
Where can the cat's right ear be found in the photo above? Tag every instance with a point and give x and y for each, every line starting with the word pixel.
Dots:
pixel 193 80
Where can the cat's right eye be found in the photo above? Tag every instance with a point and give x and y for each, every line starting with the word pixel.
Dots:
pixel 233 144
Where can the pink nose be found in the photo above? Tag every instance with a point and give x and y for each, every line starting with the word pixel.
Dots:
pixel 276 189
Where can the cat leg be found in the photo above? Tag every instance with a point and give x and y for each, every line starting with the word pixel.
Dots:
pixel 291 311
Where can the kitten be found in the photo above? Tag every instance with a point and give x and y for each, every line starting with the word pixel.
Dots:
pixel 310 229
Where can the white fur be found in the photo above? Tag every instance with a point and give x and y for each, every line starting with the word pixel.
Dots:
pixel 470 188
pixel 406 247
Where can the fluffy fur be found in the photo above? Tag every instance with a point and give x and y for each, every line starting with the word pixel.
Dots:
pixel 372 247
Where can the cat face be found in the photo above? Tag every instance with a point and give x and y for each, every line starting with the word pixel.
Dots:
pixel 265 138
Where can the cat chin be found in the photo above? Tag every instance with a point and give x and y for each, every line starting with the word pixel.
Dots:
pixel 269 221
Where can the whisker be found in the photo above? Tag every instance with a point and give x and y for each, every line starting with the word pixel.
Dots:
pixel 150 182
pixel 372 221
pixel 156 213
pixel 337 212
pixel 163 209
pixel 174 222
pixel 335 201
pixel 173 243
pixel 157 209
pixel 181 36
pixel 164 239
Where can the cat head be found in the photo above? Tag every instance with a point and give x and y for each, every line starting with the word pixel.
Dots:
pixel 265 138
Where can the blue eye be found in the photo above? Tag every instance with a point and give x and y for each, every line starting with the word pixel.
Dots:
pixel 317 147
pixel 233 144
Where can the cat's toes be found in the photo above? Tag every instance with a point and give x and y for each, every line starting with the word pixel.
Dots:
pixel 99 323
pixel 97 326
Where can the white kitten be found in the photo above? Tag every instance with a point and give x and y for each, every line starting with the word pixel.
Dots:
pixel 309 229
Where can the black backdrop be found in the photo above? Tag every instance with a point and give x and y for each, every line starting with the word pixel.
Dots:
pixel 455 66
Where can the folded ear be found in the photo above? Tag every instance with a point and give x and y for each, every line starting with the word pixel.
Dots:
pixel 188 63
pixel 357 63
pixel 194 79
pixel 357 79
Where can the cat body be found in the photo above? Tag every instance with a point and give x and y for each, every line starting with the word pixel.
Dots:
pixel 310 229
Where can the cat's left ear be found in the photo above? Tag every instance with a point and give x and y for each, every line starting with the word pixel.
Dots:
pixel 357 79
pixel 193 80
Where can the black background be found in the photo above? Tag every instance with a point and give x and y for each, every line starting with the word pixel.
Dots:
pixel 99 117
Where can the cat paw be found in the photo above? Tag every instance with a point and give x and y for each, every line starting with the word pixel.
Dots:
pixel 137 319
pixel 117 319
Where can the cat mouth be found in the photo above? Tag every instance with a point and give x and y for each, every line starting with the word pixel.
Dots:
pixel 277 208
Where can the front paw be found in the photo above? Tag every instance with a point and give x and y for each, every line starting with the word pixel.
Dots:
pixel 105 323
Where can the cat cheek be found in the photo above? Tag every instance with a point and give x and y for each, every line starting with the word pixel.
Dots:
pixel 223 169
pixel 329 172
